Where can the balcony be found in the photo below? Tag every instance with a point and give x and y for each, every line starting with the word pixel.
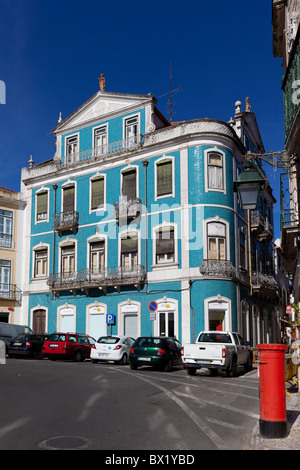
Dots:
pixel 10 292
pixel 263 283
pixel 261 227
pixel 218 268
pixel 5 240
pixel 64 221
pixel 127 208
pixel 103 152
pixel 87 279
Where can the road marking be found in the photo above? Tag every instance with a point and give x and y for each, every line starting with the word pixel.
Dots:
pixel 217 440
pixel 220 405
pixel 223 423
pixel 11 427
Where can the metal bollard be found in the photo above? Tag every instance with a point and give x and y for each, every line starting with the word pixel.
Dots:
pixel 2 353
pixel 273 420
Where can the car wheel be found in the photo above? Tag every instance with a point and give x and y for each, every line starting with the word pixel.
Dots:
pixel 78 357
pixel 94 361
pixel 248 365
pixel 191 371
pixel 123 361
pixel 232 371
pixel 133 366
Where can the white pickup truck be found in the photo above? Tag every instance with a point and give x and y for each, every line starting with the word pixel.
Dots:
pixel 217 350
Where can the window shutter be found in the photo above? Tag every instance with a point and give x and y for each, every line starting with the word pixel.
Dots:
pixel 97 193
pixel 129 245
pixel 129 184
pixel 165 241
pixel 164 178
pixel 69 199
pixel 42 200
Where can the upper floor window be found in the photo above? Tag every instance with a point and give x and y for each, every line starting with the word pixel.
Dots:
pixel 5 267
pixel 100 140
pixel 164 178
pixel 41 262
pixel 216 241
pixel 129 251
pixel 72 145
pixel 42 206
pixel 6 218
pixel 97 256
pixel 129 183
pixel 97 193
pixel 69 199
pixel 165 246
pixel 215 171
pixel 68 259
pixel 131 126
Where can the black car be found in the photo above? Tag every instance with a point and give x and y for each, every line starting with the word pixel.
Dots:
pixel 29 345
pixel 158 351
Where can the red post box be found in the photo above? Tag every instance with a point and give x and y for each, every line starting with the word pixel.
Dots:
pixel 273 421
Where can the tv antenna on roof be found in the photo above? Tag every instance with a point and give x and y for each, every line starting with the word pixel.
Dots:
pixel 171 95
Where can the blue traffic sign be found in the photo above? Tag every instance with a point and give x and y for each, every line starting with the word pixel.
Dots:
pixel 110 319
pixel 152 306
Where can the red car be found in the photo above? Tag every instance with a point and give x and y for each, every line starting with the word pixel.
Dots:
pixel 68 346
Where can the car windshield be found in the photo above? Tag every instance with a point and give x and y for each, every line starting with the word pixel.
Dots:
pixel 23 337
pixel 214 338
pixel 149 342
pixel 56 337
pixel 108 340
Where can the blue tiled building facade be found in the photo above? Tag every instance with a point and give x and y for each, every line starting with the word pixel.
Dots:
pixel 132 210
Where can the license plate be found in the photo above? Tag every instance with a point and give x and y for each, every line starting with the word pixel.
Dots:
pixel 144 358
pixel 17 344
pixel 103 355
pixel 203 362
pixel 53 345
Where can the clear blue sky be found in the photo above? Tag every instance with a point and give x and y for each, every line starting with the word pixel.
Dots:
pixel 52 53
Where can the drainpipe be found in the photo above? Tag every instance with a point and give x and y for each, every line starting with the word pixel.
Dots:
pixel 145 164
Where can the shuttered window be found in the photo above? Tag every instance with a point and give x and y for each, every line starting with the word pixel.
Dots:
pixel 97 187
pixel 129 184
pixel 68 195
pixel 164 175
pixel 165 248
pixel 129 252
pixel 42 206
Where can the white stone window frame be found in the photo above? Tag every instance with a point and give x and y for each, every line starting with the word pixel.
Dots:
pixel 58 319
pixel 95 128
pixel 131 116
pixel 41 191
pixel 99 237
pixel 70 136
pixel 167 264
pixel 157 162
pixel 124 170
pixel 162 307
pixel 214 150
pixel 124 234
pixel 41 246
pixel 64 244
pixel 219 303
pixel 66 185
pixel 95 304
pixel 205 236
pixel 103 207
pixel 38 307
pixel 123 311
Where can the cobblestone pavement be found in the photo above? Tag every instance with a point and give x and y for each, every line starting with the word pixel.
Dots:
pixel 292 441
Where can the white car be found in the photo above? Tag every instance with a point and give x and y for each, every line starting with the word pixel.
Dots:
pixel 112 348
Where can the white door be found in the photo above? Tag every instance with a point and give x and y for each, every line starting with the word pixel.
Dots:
pixel 97 326
pixel 131 325
pixel 67 321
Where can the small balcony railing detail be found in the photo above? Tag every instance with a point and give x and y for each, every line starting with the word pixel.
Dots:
pixel 127 208
pixel 263 281
pixel 89 278
pixel 218 268
pixel 10 292
pixel 103 152
pixel 64 221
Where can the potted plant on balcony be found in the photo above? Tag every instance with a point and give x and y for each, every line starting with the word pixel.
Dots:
pixel 295 324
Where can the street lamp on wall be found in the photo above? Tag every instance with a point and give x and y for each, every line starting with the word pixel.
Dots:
pixel 248 186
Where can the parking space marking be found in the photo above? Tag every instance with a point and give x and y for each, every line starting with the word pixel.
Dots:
pixel 17 424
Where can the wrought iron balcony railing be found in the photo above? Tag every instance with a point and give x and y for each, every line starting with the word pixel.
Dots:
pixel 291 103
pixel 10 292
pixel 127 208
pixel 218 268
pixel 5 240
pixel 89 278
pixel 263 281
pixel 66 221
pixel 103 152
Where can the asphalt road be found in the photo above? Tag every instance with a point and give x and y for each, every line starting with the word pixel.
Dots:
pixel 64 405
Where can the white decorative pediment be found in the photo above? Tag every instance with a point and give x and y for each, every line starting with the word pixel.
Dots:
pixel 103 106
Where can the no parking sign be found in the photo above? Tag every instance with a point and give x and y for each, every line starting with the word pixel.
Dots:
pixel 152 309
